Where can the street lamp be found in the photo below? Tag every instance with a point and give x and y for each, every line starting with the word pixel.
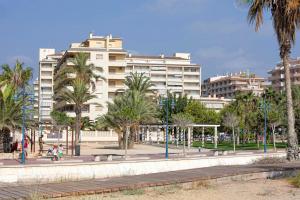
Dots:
pixel 164 103
pixel 265 107
pixel 30 99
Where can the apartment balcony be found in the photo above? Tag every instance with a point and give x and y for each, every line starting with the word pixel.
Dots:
pixel 158 72
pixel 116 88
pixel 175 72
pixel 158 79
pixel 120 76
pixel 192 87
pixel 189 80
pixel 117 63
pixel 46 69
pixel 194 96
pixel 46 84
pixel 191 73
pixel 158 87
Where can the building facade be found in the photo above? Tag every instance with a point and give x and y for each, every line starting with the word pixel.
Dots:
pixel 277 78
pixel 174 73
pixel 48 60
pixel 228 86
pixel 215 103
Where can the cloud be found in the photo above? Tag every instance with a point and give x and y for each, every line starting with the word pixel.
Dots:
pixel 220 60
pixel 174 6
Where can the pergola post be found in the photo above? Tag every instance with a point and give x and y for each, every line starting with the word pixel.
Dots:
pixel 157 134
pixel 216 137
pixel 189 138
pixel 202 137
pixel 147 134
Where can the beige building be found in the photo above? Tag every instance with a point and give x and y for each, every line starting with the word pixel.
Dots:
pixel 277 74
pixel 215 103
pixel 228 85
pixel 174 73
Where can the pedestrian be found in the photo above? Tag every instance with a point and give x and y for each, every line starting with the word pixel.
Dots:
pixel 55 153
pixel 26 147
pixel 41 144
pixel 60 151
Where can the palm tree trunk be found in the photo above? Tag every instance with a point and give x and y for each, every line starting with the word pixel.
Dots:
pixel 233 136
pixel 67 141
pixel 292 141
pixel 238 137
pixel 274 138
pixel 77 132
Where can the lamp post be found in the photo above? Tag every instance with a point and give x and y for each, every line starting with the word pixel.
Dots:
pixel 24 94
pixel 264 106
pixel 164 103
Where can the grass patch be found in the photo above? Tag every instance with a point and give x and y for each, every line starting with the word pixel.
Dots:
pixel 226 146
pixel 295 181
pixel 134 192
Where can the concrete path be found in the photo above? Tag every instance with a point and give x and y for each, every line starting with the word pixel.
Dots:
pixel 97 186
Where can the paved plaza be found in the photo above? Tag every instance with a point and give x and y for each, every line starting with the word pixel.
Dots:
pixel 139 152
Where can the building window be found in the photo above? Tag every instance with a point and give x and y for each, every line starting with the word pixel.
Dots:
pixel 98 108
pixel 99 56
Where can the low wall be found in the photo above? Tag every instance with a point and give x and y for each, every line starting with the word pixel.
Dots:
pixel 80 171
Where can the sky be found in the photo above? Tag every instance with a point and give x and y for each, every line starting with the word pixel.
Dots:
pixel 215 32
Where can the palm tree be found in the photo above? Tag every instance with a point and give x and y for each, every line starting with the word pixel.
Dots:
pixel 11 115
pixel 138 82
pixel 286 19
pixel 89 73
pixel 78 95
pixel 17 77
pixel 128 110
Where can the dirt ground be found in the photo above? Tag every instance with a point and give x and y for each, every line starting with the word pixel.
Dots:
pixel 251 190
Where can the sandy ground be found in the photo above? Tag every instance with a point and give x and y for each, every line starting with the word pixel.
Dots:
pixel 88 149
pixel 250 190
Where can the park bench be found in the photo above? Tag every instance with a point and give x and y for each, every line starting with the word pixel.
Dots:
pixel 106 157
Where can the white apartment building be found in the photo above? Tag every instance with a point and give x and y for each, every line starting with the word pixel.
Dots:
pixel 174 73
pixel 48 60
pixel 277 78
pixel 228 86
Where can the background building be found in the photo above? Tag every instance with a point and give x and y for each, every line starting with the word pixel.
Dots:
pixel 174 73
pixel 277 74
pixel 215 103
pixel 48 60
pixel 228 85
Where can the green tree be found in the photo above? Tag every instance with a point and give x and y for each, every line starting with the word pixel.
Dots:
pixel 80 69
pixel 77 95
pixel 11 115
pixel 285 15
pixel 201 114
pixel 18 76
pixel 138 82
pixel 230 120
pixel 183 120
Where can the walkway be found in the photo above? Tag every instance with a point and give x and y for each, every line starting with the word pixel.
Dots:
pixel 97 186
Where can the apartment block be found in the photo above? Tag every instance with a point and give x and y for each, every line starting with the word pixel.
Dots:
pixel 228 86
pixel 277 78
pixel 48 60
pixel 215 103
pixel 175 73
